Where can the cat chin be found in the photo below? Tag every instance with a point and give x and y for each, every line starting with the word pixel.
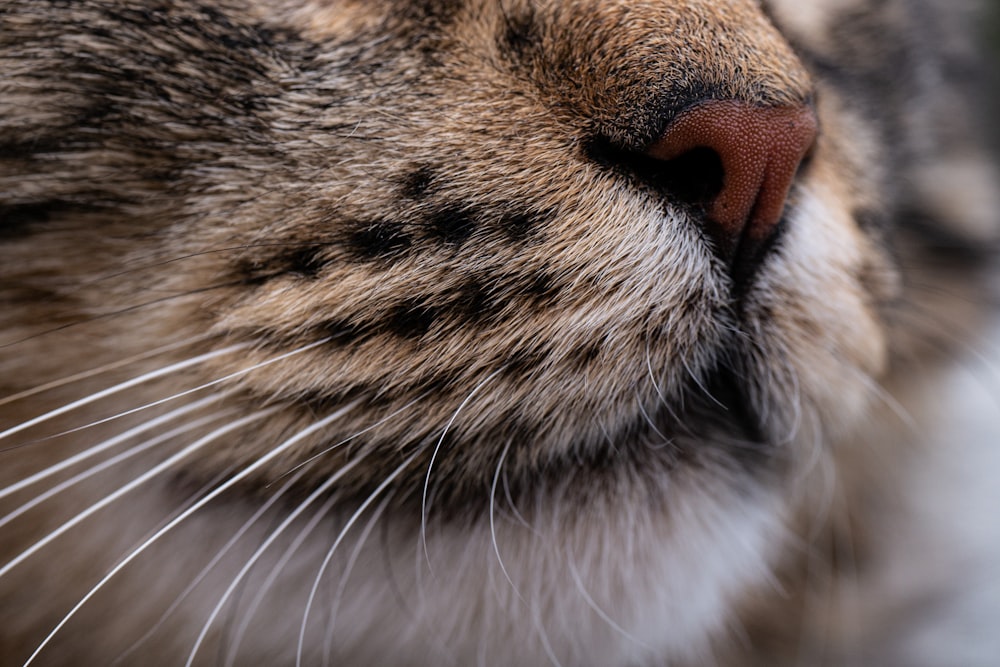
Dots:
pixel 631 575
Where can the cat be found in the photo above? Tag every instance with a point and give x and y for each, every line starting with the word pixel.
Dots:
pixel 494 332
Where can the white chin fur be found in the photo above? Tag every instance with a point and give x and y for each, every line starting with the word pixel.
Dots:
pixel 613 583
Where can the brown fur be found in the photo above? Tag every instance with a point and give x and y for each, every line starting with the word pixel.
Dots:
pixel 429 199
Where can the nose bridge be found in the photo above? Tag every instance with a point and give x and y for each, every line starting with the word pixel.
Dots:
pixel 638 63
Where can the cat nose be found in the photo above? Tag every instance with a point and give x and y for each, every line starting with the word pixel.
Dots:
pixel 758 150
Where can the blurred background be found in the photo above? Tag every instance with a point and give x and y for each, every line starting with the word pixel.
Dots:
pixel 992 38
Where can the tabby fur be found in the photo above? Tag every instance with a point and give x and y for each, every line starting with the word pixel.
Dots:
pixel 463 361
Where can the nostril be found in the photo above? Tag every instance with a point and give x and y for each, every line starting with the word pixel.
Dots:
pixel 695 177
pixel 758 152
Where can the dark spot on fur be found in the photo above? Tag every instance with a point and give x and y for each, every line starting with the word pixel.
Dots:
pixel 583 356
pixel 323 402
pixel 452 224
pixel 944 241
pixel 521 225
pixel 17 220
pixel 542 289
pixel 442 11
pixel 520 37
pixel 477 303
pixel 301 259
pixel 378 240
pixel 306 261
pixel 411 319
pixel 441 383
pixel 418 183
pixel 521 433
pixel 252 273
pixel 524 362
pixel 30 149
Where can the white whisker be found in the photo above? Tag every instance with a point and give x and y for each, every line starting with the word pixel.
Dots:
pixel 247 525
pixel 649 420
pixel 652 376
pixel 107 444
pixel 201 503
pixel 93 372
pixel 656 387
pixel 131 486
pixel 493 530
pixel 104 465
pixel 597 610
pixel 342 586
pixel 543 636
pixel 697 381
pixel 294 514
pixel 348 439
pixel 272 576
pixel 883 394
pixel 329 555
pixel 193 390
pixel 795 396
pixel 430 466
pixel 152 375
pixel 513 508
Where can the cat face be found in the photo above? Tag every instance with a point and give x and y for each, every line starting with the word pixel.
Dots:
pixel 617 259
pixel 466 214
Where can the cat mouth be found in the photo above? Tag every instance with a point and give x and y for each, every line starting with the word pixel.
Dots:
pixel 717 417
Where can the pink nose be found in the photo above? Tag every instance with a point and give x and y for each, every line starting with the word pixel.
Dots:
pixel 760 149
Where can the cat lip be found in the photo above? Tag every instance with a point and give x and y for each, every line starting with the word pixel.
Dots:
pixel 752 258
pixel 717 415
pixel 727 390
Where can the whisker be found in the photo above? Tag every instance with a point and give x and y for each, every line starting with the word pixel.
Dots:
pixel 348 568
pixel 493 531
pixel 181 394
pixel 329 555
pixel 128 384
pixel 513 507
pixel 348 439
pixel 543 636
pixel 247 525
pixel 122 311
pixel 107 444
pixel 659 392
pixel 883 394
pixel 131 486
pixel 649 420
pixel 652 376
pixel 93 372
pixel 823 478
pixel 698 383
pixel 104 465
pixel 987 372
pixel 597 610
pixel 430 466
pixel 201 503
pixel 213 251
pixel 272 576
pixel 795 396
pixel 607 436
pixel 294 514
